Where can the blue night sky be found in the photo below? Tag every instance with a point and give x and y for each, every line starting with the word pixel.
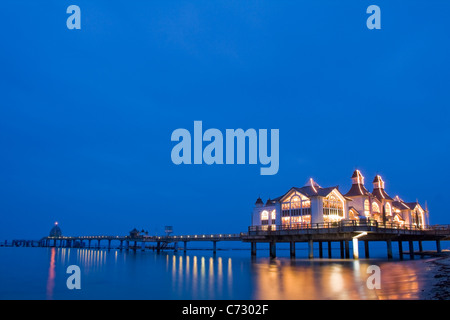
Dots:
pixel 86 115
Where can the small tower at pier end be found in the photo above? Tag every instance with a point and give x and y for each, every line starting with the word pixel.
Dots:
pixel 55 232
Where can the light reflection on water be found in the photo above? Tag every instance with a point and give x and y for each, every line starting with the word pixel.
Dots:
pixel 201 275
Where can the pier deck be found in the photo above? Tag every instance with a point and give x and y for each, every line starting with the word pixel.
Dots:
pixel 342 232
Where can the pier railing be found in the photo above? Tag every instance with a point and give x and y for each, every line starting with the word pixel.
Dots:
pixel 349 226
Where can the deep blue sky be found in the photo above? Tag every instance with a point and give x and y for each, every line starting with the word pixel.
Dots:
pixel 86 115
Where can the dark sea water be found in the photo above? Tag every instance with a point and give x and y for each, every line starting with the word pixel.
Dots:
pixel 40 273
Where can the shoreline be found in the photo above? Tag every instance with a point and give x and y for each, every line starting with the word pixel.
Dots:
pixel 438 280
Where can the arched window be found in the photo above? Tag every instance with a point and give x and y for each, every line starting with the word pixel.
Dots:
pixel 418 217
pixel 388 209
pixel 375 207
pixel 295 202
pixel 366 208
pixel 296 209
pixel 265 215
pixel 333 208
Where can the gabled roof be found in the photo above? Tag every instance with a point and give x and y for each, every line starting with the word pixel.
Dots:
pixel 353 208
pixel 311 191
pixel 413 205
pixel 400 205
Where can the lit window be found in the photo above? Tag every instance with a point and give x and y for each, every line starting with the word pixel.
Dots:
pixel 274 214
pixel 388 209
pixel 333 206
pixel 366 208
pixel 265 215
pixel 295 202
pixel 375 208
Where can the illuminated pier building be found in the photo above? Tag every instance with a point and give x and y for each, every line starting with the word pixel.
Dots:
pixel 312 205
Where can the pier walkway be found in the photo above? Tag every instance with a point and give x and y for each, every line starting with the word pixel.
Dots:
pixel 326 233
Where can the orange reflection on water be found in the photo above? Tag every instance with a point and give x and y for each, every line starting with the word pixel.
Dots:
pixel 338 280
pixel 51 275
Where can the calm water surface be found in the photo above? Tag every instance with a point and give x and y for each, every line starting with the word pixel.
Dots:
pixel 40 273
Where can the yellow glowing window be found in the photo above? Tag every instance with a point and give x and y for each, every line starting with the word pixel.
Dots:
pixel 388 209
pixel 265 215
pixel 295 202
pixel 366 207
pixel 375 208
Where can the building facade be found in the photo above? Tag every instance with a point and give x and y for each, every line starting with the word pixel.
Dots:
pixel 312 205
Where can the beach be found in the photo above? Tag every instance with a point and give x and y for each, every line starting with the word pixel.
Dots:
pixel 438 279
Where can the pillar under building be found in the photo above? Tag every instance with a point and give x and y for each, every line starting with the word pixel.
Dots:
pixel 411 250
pixel 253 248
pixel 438 246
pixel 273 249
pixel 292 249
pixel 310 249
pixel 366 249
pixel 347 249
pixel 389 249
pixel 355 248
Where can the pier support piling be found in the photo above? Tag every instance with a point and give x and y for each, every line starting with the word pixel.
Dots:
pixel 310 249
pixel 273 249
pixel 438 246
pixel 355 249
pixel 253 248
pixel 320 250
pixel 329 249
pixel 185 246
pixel 292 249
pixel 347 249
pixel 420 246
pixel 214 247
pixel 400 250
pixel 389 249
pixel 411 250
pixel 341 243
pixel 158 247
pixel 366 249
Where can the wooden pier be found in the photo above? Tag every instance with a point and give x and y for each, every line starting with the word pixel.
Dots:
pixel 157 243
pixel 343 233
pixel 326 234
